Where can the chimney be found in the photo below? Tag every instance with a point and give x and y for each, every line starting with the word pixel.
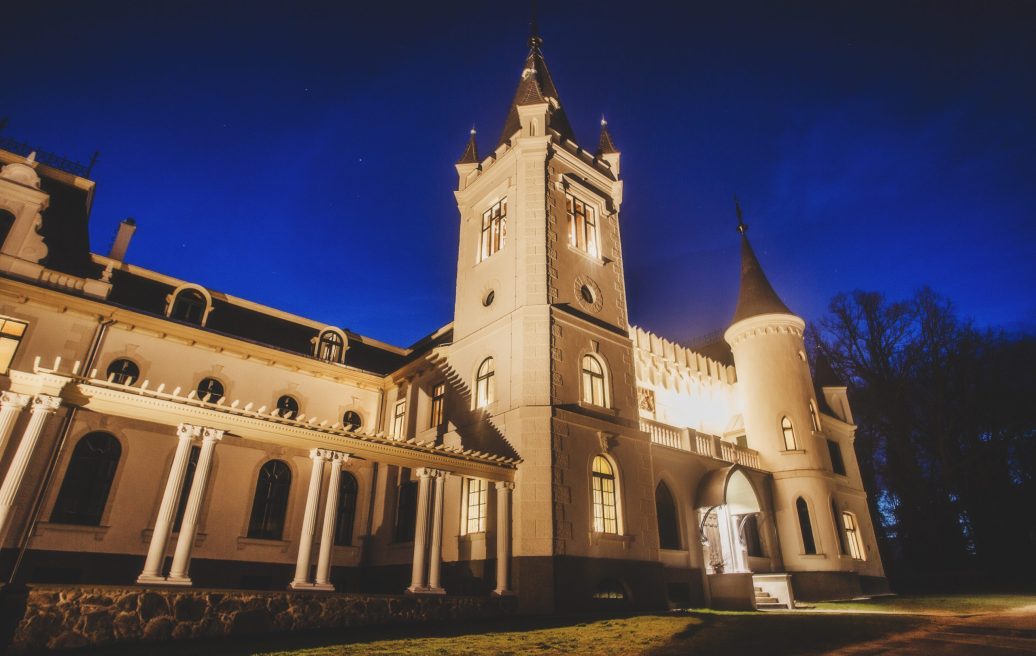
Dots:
pixel 122 239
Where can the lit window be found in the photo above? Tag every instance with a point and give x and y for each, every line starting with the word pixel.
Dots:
pixel 593 382
pixel 271 501
pixel 438 405
pixel 610 589
pixel 606 517
pixel 814 418
pixel 189 306
pixel 582 226
pixel 11 333
pixel 288 407
pixel 330 347
pixel 789 434
pixel 347 490
pixel 484 383
pixel 210 390
pixel 809 545
pixel 351 420
pixel 837 464
pixel 477 500
pixel 88 481
pixel 852 535
pixel 494 229
pixel 399 418
pixel 123 372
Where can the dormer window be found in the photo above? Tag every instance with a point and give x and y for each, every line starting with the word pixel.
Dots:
pixel 189 306
pixel 494 230
pixel 331 347
pixel 582 226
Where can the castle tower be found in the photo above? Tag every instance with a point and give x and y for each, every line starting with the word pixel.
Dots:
pixel 541 307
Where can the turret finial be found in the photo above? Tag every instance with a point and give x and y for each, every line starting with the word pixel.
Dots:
pixel 534 31
pixel 741 227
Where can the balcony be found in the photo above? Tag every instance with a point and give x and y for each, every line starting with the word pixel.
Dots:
pixel 688 439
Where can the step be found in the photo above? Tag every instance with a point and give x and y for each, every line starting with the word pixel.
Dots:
pixel 774 605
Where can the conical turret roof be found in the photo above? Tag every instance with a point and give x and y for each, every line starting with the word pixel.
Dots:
pixel 756 296
pixel 605 146
pixel 536 86
pixel 470 154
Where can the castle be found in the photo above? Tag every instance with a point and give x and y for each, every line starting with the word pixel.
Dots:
pixel 154 431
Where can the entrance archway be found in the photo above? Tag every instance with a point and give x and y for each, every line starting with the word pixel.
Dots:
pixel 726 499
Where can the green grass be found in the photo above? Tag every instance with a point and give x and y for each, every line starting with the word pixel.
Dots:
pixel 933 604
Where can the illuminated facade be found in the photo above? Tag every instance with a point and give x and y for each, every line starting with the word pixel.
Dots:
pixel 156 431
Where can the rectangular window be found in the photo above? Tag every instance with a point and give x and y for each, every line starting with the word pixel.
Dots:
pixel 837 464
pixel 494 230
pixel 399 419
pixel 438 405
pixel 476 502
pixel 582 226
pixel 852 536
pixel 11 333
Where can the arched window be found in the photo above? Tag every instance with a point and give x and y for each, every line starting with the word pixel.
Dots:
pixel 852 536
pixel 351 420
pixel 88 480
pixel 814 418
pixel 789 434
pixel 330 347
pixel 288 407
pixel 270 502
pixel 484 383
pixel 210 390
pixel 606 512
pixel 668 522
pixel 594 391
pixel 123 372
pixel 809 546
pixel 347 490
pixel 189 306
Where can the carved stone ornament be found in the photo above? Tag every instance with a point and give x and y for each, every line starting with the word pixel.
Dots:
pixel 608 441
pixel 45 403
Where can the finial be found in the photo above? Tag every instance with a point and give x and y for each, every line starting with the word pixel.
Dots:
pixel 604 123
pixel 741 227
pixel 534 31
pixel 472 130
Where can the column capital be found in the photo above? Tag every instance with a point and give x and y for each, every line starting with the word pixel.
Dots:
pixel 428 472
pixel 327 454
pixel 211 434
pixel 504 485
pixel 340 457
pixel 13 399
pixel 188 431
pixel 45 403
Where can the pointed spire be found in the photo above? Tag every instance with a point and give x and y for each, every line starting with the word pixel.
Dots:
pixel 470 154
pixel 756 296
pixel 536 86
pixel 605 146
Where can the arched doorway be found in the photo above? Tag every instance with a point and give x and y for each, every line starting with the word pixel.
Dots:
pixel 727 502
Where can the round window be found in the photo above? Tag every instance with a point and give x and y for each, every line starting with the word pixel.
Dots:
pixel 487 300
pixel 123 372
pixel 210 389
pixel 351 420
pixel 587 294
pixel 288 407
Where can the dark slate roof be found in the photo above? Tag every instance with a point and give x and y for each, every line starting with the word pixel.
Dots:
pixel 824 375
pixel 147 295
pixel 535 86
pixel 470 154
pixel 605 146
pixel 757 295
pixel 65 228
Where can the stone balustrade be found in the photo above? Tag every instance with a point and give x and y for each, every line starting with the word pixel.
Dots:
pixel 688 439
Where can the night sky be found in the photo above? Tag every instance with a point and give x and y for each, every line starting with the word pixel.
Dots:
pixel 301 155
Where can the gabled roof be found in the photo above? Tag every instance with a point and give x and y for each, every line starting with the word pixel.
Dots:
pixel 536 86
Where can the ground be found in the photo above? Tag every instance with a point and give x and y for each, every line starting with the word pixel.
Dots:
pixel 906 626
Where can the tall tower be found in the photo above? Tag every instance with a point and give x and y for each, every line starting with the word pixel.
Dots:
pixel 782 419
pixel 541 302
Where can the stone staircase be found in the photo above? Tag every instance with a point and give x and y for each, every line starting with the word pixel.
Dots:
pixel 763 601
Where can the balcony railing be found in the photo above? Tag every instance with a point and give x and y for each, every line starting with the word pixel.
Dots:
pixel 688 439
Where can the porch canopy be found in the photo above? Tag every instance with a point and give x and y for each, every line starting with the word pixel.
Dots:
pixel 728 486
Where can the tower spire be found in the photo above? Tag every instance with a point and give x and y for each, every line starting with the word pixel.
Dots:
pixel 470 154
pixel 605 145
pixel 756 295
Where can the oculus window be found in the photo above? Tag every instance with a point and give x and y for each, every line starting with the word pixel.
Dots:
pixel 351 420
pixel 288 407
pixel 210 390
pixel 123 372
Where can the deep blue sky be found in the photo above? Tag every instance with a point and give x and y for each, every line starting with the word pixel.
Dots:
pixel 300 154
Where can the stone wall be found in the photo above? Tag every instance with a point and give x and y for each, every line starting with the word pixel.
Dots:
pixel 59 616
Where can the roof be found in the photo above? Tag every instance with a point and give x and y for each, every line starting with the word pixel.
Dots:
pixel 536 86
pixel 470 154
pixel 756 296
pixel 605 146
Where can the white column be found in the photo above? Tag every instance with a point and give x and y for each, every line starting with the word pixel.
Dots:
pixel 435 555
pixel 11 405
pixel 417 579
pixel 327 534
pixel 189 525
pixel 42 407
pixel 309 520
pixel 503 536
pixel 167 510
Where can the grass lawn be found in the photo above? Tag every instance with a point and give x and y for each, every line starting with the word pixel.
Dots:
pixel 933 604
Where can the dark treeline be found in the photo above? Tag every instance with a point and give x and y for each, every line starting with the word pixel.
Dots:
pixel 946 438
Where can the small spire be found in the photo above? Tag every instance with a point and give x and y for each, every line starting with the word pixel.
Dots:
pixel 605 145
pixel 470 154
pixel 756 295
pixel 741 227
pixel 534 30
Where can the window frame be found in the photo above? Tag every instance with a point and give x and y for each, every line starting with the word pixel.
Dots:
pixel 330 345
pixel 350 426
pixel 667 541
pixel 603 499
pixel 834 448
pixel 437 410
pixel 853 537
pixel 814 417
pixel 294 412
pixel 474 506
pixel 10 338
pixel 584 231
pixel 193 290
pixel 493 233
pixel 120 377
pixel 209 399
pixel 802 510
pixel 588 378
pixel 399 419
pixel 259 523
pixel 788 431
pixel 101 488
pixel 485 383
pixel 345 516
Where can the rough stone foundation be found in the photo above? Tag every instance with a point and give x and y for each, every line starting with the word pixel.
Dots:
pixel 62 616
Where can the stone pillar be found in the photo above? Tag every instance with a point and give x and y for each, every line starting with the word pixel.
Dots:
pixel 11 405
pixel 503 536
pixel 167 510
pixel 327 534
pixel 42 407
pixel 435 555
pixel 417 578
pixel 309 520
pixel 189 525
